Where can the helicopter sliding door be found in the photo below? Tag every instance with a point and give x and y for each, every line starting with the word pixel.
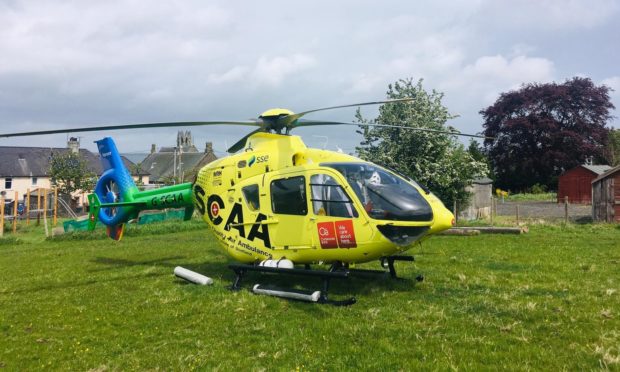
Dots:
pixel 315 211
pixel 336 220
pixel 289 205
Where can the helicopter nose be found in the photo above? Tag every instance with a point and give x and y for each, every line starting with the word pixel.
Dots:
pixel 444 219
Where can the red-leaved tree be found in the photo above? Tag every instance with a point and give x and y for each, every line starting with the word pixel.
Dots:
pixel 541 130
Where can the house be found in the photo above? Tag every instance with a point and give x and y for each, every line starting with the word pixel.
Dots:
pixel 606 196
pixel 576 183
pixel 179 163
pixel 480 204
pixel 27 168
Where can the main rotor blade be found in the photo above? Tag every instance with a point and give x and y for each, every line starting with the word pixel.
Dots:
pixel 129 126
pixel 286 121
pixel 307 123
pixel 241 143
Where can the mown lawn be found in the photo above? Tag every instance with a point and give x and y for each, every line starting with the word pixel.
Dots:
pixel 547 300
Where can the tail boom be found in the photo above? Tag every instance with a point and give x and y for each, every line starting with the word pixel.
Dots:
pixel 116 198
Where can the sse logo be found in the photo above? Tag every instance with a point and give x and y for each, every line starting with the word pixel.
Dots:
pixel 258 159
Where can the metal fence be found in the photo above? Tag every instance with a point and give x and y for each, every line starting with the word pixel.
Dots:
pixel 543 211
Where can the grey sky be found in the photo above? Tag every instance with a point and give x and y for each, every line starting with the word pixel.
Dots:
pixel 74 63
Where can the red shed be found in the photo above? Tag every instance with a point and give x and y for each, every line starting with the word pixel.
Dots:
pixel 606 196
pixel 576 183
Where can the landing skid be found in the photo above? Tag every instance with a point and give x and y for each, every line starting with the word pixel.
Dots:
pixel 338 270
pixel 300 295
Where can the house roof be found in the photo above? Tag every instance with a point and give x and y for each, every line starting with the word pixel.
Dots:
pixel 161 164
pixel 598 169
pixel 482 181
pixel 35 161
pixel 608 173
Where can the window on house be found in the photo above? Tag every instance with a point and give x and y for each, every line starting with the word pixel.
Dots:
pixel 8 183
pixel 288 196
pixel 34 181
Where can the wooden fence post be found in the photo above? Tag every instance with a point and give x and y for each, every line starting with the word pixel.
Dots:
pixel 45 211
pixel 566 209
pixel 38 206
pixel 492 206
pixel 27 207
pixel 44 201
pixel 15 212
pixel 55 206
pixel 454 212
pixel 2 216
pixel 517 214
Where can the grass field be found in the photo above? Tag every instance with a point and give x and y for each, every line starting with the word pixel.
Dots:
pixel 546 300
pixel 547 196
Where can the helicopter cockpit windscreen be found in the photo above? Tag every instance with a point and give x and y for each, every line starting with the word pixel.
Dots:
pixel 384 195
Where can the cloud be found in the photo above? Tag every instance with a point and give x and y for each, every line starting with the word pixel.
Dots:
pixel 478 84
pixel 119 61
pixel 550 14
pixel 520 69
pixel 272 71
pixel 613 83
pixel 235 74
pixel 365 84
pixel 267 71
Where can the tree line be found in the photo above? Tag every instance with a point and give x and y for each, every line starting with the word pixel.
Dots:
pixel 534 134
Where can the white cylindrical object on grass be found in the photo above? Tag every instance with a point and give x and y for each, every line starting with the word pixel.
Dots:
pixel 310 297
pixel 192 276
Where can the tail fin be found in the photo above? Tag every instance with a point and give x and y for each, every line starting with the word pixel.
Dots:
pixel 93 210
pixel 113 231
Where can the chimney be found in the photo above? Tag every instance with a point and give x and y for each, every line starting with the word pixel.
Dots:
pixel 73 144
pixel 209 148
pixel 153 148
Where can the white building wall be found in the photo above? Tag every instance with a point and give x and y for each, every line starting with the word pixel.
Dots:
pixel 21 185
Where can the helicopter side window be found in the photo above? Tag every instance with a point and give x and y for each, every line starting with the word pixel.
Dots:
pixel 288 196
pixel 329 198
pixel 250 193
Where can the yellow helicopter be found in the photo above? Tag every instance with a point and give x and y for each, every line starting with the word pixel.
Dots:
pixel 278 204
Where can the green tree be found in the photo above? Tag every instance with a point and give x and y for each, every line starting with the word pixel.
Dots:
pixel 476 151
pixel 436 160
pixel 136 170
pixel 69 172
pixel 613 147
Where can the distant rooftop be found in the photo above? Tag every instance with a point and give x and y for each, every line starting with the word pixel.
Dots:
pixel 598 169
pixel 35 161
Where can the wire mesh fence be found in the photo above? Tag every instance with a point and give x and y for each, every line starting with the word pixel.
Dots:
pixel 528 211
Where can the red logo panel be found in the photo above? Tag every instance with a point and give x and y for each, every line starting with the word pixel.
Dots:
pixel 345 234
pixel 327 235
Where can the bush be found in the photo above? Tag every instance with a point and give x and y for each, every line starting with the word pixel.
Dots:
pixel 539 189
